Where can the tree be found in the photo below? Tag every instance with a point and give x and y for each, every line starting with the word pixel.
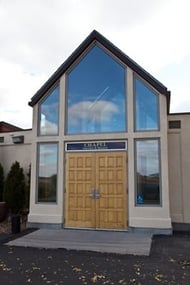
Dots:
pixel 1 182
pixel 14 192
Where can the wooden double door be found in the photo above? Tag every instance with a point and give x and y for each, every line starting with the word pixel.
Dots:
pixel 96 190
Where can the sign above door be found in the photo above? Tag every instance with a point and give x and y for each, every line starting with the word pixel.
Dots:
pixel 96 146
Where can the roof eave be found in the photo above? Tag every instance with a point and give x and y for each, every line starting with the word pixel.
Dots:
pixel 59 72
pixel 95 36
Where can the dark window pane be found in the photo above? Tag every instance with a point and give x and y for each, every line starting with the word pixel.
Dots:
pixel 147 172
pixel 49 114
pixel 96 95
pixel 175 124
pixel 146 108
pixel 47 172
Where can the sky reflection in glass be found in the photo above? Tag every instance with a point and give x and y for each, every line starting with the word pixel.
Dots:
pixel 49 114
pixel 146 107
pixel 96 95
pixel 47 172
pixel 147 157
pixel 148 171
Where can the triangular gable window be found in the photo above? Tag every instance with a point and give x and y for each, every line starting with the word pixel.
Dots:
pixel 49 114
pixel 96 100
pixel 146 107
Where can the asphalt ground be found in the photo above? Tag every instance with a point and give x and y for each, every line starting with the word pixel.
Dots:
pixel 168 263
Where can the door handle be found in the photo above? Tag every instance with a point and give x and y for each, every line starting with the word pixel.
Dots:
pixel 92 194
pixel 95 194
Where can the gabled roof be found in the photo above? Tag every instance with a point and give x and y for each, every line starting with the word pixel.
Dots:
pixel 95 36
pixel 6 127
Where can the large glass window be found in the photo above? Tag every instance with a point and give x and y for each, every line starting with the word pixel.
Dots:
pixel 96 95
pixel 47 172
pixel 49 114
pixel 147 172
pixel 146 107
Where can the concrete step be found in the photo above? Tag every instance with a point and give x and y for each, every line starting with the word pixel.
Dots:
pixel 99 241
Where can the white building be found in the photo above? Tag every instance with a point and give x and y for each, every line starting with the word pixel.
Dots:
pixel 105 151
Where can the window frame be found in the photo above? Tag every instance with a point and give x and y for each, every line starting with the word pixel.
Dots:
pixel 71 68
pixel 37 173
pixel 135 172
pixel 136 77
pixel 48 93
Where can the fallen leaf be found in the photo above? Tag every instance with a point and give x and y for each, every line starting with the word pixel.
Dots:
pixel 77 269
pixel 185 263
pixel 82 277
pixel 158 277
pixel 172 260
pixel 121 281
pixel 96 277
pixel 4 267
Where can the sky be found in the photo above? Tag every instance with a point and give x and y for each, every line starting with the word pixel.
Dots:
pixel 37 36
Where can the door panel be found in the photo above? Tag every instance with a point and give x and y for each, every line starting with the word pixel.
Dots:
pixel 105 172
pixel 111 212
pixel 80 179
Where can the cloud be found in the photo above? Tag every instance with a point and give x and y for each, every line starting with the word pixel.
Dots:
pixel 162 38
pixel 176 77
pixel 45 42
pixel 15 91
pixel 147 157
pixel 48 127
pixel 50 110
pixel 37 36
pixel 48 160
pixel 101 111
pixel 46 151
pixel 180 100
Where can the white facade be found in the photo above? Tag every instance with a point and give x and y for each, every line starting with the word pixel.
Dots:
pixel 139 217
pixel 11 152
pixel 155 215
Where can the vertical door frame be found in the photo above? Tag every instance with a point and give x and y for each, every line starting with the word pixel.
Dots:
pixel 75 150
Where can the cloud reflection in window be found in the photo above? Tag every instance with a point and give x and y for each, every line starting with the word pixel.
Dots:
pixel 49 114
pixel 91 114
pixel 47 172
pixel 96 94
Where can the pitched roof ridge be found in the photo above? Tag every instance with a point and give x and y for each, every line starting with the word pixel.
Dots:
pixel 96 36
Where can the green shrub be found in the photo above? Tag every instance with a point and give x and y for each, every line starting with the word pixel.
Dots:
pixel 14 191
pixel 27 189
pixel 1 182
